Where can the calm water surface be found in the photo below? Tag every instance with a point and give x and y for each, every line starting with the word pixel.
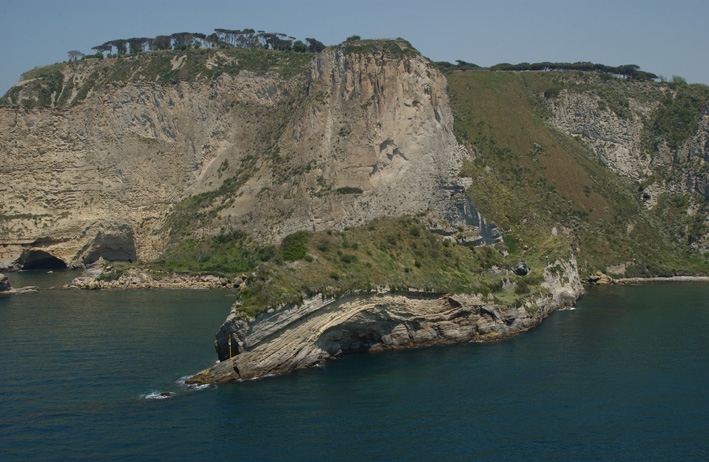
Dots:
pixel 623 377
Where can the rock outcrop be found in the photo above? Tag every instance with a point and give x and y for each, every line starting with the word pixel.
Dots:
pixel 100 275
pixel 6 287
pixel 619 141
pixel 361 134
pixel 294 337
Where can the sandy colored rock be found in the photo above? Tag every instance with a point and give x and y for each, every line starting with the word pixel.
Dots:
pixel 294 337
pixel 358 136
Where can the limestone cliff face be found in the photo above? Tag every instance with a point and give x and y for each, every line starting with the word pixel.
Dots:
pixel 360 135
pixel 614 139
pixel 96 179
pixel 371 137
pixel 294 337
pixel 618 141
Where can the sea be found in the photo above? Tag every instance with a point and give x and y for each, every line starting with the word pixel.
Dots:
pixel 622 376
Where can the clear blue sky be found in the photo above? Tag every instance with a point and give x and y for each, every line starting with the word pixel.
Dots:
pixel 667 37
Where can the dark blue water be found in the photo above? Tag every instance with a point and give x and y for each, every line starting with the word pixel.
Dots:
pixel 625 376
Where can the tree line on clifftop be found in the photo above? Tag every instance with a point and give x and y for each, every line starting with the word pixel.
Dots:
pixel 630 71
pixel 261 40
pixel 220 38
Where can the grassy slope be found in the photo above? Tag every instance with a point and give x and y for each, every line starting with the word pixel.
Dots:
pixel 398 253
pixel 545 178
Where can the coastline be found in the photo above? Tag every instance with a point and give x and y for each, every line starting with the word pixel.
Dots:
pixel 661 279
pixel 102 275
pixel 298 336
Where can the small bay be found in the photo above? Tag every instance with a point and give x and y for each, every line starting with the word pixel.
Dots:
pixel 621 377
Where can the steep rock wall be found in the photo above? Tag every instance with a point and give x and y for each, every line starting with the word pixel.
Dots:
pixel 362 135
pixel 103 174
pixel 371 137
pixel 619 142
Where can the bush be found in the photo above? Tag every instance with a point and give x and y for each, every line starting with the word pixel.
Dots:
pixel 348 258
pixel 293 247
pixel 551 93
pixel 348 190
pixel 522 288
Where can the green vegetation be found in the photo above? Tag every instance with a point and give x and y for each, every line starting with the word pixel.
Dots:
pixel 677 116
pixel 630 71
pixel 529 178
pixel 348 190
pixel 227 254
pixel 397 253
pixel 398 48
pixel 294 246
pixel 222 38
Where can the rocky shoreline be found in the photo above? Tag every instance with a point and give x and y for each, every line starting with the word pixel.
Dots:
pixel 6 287
pixel 604 279
pixel 293 337
pixel 103 276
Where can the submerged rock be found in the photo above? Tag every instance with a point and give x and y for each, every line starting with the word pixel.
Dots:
pixel 4 283
pixel 6 287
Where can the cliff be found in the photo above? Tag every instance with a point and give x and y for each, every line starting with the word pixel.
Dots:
pixel 616 165
pixel 364 199
pixel 138 163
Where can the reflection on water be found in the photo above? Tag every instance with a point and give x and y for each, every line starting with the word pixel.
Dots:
pixel 44 279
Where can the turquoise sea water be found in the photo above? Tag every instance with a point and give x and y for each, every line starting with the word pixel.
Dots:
pixel 625 376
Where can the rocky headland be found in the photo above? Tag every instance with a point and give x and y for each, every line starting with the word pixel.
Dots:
pixel 287 166
pixel 293 337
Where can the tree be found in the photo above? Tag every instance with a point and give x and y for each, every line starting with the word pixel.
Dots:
pixel 162 42
pixel 74 55
pixel 353 38
pixel 299 47
pixel 137 45
pixel 120 45
pixel 182 40
pixel 101 49
pixel 314 46
pixel 212 39
pixel 679 80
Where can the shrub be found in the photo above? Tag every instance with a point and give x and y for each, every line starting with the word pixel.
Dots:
pixel 293 247
pixel 522 288
pixel 551 93
pixel 348 190
pixel 348 258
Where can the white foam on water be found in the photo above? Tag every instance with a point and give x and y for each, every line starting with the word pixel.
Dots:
pixel 194 386
pixel 156 395
pixel 568 308
pixel 258 377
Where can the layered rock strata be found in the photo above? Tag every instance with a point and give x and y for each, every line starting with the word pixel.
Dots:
pixel 618 142
pixel 294 337
pixel 360 135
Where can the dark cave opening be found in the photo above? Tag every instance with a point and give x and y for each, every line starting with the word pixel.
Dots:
pixel 38 259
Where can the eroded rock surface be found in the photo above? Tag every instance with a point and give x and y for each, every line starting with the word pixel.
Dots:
pixel 358 136
pixel 294 337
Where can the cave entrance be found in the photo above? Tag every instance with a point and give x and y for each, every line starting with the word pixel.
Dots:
pixel 39 259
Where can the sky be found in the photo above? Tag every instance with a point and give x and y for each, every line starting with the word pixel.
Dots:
pixel 664 37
